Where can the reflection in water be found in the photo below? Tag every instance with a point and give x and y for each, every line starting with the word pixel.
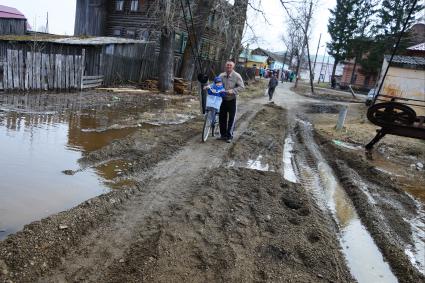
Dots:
pixel 364 259
pixel 41 135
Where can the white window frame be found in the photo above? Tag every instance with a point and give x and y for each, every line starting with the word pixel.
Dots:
pixel 119 5
pixel 135 6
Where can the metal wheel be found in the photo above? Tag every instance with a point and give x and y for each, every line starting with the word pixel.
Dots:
pixel 207 126
pixel 389 114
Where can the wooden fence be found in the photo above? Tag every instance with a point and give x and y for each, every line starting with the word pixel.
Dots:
pixel 37 70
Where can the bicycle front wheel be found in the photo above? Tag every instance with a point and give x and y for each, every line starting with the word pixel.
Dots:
pixel 207 126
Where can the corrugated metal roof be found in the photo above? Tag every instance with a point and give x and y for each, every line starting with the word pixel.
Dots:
pixel 11 13
pixel 410 60
pixel 418 47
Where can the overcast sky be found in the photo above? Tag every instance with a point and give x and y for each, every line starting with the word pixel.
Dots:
pixel 62 17
pixel 270 35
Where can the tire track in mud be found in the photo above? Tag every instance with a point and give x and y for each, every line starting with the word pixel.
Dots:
pixel 318 177
pixel 382 207
pixel 310 161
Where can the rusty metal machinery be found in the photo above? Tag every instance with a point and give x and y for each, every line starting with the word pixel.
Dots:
pixel 394 114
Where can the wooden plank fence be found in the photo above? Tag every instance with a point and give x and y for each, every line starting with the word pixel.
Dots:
pixel 41 71
pixel 92 81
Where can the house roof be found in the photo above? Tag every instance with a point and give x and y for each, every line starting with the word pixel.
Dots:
pixel 272 55
pixel 409 60
pixel 257 58
pixel 418 47
pixel 11 13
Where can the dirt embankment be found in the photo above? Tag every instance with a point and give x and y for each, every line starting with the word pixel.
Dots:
pixel 197 222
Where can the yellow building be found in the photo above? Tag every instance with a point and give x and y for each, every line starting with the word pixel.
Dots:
pixel 250 61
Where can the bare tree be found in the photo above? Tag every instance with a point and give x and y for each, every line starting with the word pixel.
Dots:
pixel 197 21
pixel 293 41
pixel 300 13
pixel 167 12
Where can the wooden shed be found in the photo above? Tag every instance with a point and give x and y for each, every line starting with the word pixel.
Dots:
pixel 12 21
pixel 65 63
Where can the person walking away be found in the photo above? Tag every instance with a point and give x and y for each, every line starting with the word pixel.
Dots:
pixel 233 83
pixel 261 72
pixel 272 86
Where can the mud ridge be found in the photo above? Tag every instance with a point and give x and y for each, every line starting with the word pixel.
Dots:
pixel 237 225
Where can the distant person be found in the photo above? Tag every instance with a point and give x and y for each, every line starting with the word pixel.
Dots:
pixel 261 72
pixel 292 77
pixel 272 86
pixel 233 83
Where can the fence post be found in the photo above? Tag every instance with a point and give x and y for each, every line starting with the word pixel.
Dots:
pixel 83 65
pixel 341 118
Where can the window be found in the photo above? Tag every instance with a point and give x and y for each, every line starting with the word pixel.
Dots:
pixel 204 48
pixel 184 41
pixel 217 54
pixel 131 33
pixel 211 20
pixel 119 5
pixel 178 42
pixel 117 32
pixel 134 6
pixel 143 34
pixel 212 52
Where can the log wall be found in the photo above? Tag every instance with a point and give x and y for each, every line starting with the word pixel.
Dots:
pixel 13 26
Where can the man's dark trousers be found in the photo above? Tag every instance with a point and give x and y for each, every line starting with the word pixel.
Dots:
pixel 227 118
pixel 271 92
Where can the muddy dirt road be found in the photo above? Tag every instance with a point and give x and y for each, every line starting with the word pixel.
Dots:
pixel 283 203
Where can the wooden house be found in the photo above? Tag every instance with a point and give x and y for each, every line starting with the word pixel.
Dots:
pixel 12 22
pixel 137 19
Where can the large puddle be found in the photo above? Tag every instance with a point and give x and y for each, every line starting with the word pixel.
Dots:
pixel 43 135
pixel 363 256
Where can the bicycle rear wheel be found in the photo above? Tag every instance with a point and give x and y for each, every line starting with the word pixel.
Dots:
pixel 207 126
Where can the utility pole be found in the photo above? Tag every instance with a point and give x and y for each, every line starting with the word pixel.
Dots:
pixel 321 68
pixel 326 70
pixel 308 48
pixel 315 58
pixel 47 23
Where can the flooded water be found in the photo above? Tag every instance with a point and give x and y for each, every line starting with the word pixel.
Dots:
pixel 288 166
pixel 364 259
pixel 383 165
pixel 257 164
pixel 43 135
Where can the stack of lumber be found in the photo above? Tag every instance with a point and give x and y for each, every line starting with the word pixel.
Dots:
pixel 181 86
pixel 150 85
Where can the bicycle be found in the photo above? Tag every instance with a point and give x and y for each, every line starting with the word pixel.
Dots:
pixel 211 117
pixel 210 124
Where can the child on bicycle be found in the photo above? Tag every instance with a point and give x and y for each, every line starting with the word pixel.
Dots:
pixel 216 91
pixel 216 88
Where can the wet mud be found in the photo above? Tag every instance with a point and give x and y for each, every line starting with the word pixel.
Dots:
pixel 204 221
pixel 384 208
pixel 46 134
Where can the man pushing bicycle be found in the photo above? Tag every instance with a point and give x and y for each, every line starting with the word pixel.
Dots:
pixel 233 83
